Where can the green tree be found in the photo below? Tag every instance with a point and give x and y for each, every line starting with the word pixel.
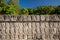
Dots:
pixel 15 3
pixel 2 5
pixel 3 1
pixel 50 10
pixel 30 11
pixel 57 10
pixel 33 11
pixel 25 11
pixel 0 10
pixel 45 10
pixel 9 9
pixel 41 10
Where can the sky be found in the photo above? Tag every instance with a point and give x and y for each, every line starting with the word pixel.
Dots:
pixel 35 3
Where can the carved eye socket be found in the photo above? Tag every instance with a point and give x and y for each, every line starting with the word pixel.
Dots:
pixel 56 36
pixel 0 30
pixel 0 36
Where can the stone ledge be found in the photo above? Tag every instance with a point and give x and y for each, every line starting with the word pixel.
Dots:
pixel 30 18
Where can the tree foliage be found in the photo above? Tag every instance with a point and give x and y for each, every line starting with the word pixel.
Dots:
pixel 57 10
pixel 42 10
pixel 9 10
pixel 24 11
pixel 12 8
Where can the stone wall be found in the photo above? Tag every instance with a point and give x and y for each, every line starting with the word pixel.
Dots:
pixel 30 27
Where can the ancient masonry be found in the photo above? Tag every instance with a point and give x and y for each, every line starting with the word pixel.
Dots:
pixel 30 27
